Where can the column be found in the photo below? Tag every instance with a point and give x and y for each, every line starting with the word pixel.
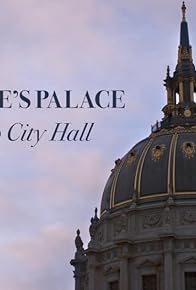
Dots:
pixel 192 90
pixel 124 274
pixel 91 277
pixel 181 92
pixel 168 264
pixel 124 268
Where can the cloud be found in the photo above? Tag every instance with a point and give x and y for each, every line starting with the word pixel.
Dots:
pixel 47 192
pixel 40 260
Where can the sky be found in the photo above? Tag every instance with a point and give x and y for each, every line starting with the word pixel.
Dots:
pixel 50 190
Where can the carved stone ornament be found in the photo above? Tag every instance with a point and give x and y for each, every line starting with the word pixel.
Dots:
pixel 93 225
pixel 131 157
pixel 190 260
pixel 92 229
pixel 117 163
pixel 147 263
pixel 120 225
pixel 157 152
pixel 188 217
pixel 151 221
pixel 167 216
pixel 111 269
pixel 100 235
pixel 188 149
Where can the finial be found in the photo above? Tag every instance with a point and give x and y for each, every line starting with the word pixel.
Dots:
pixel 96 219
pixel 78 241
pixel 96 212
pixel 183 11
pixel 168 71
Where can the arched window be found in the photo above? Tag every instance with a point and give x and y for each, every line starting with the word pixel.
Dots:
pixel 194 97
pixel 177 98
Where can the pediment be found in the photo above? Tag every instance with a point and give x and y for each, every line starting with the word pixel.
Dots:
pixel 148 263
pixel 191 260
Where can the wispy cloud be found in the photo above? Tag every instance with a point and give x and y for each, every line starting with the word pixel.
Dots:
pixel 47 192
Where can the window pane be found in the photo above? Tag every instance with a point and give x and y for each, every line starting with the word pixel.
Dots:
pixel 149 282
pixel 114 285
pixel 190 280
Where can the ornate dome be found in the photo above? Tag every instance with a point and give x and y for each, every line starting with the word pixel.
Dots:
pixel 161 165
pixel 164 164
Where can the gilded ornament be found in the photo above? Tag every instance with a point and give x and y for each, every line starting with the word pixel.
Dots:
pixel 158 151
pixel 188 149
pixel 131 157
pixel 120 225
pixel 187 112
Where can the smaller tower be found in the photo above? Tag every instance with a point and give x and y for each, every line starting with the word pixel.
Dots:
pixel 181 108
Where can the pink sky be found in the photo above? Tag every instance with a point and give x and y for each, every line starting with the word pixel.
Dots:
pixel 49 191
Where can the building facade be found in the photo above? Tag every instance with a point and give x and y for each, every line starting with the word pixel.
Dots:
pixel 145 238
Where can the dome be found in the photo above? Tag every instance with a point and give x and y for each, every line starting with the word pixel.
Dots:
pixel 161 165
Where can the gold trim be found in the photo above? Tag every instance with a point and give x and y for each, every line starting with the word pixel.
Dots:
pixel 143 197
pixel 139 162
pixel 153 195
pixel 172 143
pixel 186 193
pixel 122 202
pixel 113 189
pixel 174 163
pixel 192 90
pixel 142 163
pixel 102 213
pixel 176 130
pixel 169 164
pixel 181 92
pixel 169 171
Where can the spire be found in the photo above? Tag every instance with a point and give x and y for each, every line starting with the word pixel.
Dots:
pixel 185 69
pixel 180 109
pixel 184 49
pixel 184 34
pixel 183 11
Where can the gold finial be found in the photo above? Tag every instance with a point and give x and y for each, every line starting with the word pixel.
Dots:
pixel 183 11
